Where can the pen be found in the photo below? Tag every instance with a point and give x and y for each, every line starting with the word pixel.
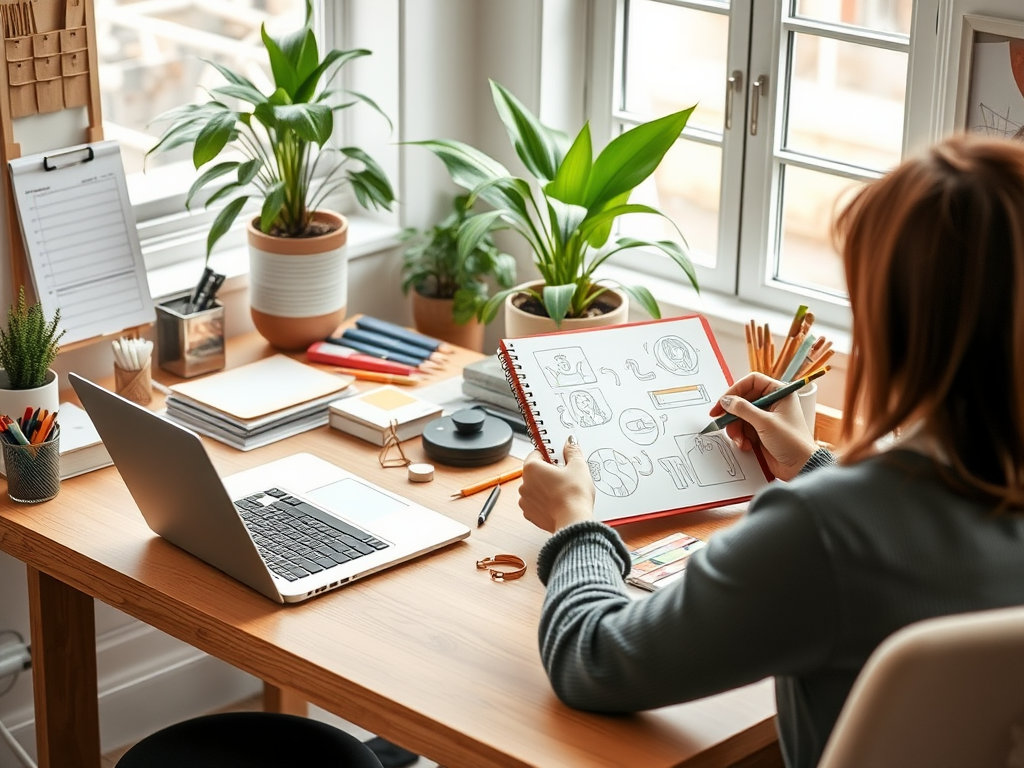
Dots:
pixel 488 506
pixel 334 353
pixel 512 419
pixel 200 288
pixel 388 342
pixel 483 485
pixel 211 292
pixel 767 400
pixel 404 334
pixel 383 378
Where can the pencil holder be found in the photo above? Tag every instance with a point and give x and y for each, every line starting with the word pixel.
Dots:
pixel 33 471
pixel 134 385
pixel 189 344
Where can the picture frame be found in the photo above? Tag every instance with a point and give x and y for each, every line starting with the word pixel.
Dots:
pixel 990 78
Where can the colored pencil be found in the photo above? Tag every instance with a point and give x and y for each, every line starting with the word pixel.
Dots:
pixel 770 399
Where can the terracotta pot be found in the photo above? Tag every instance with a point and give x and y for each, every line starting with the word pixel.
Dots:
pixel 434 318
pixel 298 286
pixel 13 402
pixel 519 323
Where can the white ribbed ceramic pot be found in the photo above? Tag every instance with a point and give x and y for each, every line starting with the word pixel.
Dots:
pixel 519 323
pixel 13 402
pixel 298 286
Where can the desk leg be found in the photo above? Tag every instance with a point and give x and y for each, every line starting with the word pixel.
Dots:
pixel 283 700
pixel 63 627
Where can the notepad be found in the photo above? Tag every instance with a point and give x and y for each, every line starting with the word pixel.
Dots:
pixel 81 240
pixel 635 397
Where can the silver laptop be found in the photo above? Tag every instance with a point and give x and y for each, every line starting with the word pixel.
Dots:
pixel 289 529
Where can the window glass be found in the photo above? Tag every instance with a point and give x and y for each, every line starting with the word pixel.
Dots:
pixel 882 15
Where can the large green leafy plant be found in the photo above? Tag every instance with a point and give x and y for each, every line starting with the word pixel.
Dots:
pixel 568 215
pixel 281 138
pixel 437 265
pixel 29 344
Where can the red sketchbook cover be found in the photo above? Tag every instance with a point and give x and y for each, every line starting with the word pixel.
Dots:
pixel 636 397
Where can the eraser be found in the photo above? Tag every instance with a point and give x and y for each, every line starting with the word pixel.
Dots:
pixel 421 473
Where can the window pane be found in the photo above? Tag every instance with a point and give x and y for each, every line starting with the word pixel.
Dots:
pixel 150 60
pixel 675 58
pixel 809 201
pixel 686 188
pixel 882 15
pixel 846 102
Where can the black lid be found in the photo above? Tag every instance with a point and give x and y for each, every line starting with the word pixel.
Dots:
pixel 467 438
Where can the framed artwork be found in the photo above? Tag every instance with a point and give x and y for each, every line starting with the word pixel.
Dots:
pixel 990 81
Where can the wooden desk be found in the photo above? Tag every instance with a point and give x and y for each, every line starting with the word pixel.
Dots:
pixel 431 654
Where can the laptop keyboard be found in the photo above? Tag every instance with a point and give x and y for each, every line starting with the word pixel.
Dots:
pixel 297 539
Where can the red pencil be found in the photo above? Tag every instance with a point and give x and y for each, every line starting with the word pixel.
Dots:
pixel 335 354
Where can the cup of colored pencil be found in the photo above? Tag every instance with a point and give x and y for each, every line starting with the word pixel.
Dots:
pixel 31 451
pixel 133 371
pixel 800 353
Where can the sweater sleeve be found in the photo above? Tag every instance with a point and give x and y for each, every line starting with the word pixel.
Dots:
pixel 759 600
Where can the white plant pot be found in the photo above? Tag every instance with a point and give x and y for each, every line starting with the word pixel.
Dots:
pixel 14 402
pixel 519 323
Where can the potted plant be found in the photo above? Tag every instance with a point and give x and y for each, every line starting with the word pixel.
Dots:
pixel 28 346
pixel 449 282
pixel 298 272
pixel 567 217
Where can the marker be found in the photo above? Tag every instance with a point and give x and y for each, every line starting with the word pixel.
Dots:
pixel 763 402
pixel 488 506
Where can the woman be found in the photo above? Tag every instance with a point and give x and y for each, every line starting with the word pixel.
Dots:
pixel 827 564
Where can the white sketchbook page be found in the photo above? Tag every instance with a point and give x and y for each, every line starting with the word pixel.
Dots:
pixel 82 244
pixel 635 398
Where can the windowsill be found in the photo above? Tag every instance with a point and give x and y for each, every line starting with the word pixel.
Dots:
pixel 366 237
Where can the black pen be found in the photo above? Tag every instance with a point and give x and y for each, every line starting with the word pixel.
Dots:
pixel 488 506
pixel 514 420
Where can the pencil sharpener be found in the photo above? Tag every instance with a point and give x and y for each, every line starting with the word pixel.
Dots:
pixel 189 344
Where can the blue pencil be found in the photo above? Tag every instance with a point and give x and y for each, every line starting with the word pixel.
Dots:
pixel 402 334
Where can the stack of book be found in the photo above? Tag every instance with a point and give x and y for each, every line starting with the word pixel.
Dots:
pixel 370 415
pixel 256 404
pixel 485 381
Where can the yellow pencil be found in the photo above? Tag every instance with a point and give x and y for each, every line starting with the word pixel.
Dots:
pixel 490 482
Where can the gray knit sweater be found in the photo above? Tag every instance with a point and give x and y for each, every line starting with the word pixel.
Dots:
pixel 802 588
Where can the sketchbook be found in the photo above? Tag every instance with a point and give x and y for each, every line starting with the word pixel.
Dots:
pixel 81 240
pixel 635 397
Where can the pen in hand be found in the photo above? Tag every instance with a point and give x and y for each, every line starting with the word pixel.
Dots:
pixel 764 402
pixel 488 506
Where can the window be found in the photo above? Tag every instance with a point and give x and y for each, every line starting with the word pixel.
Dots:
pixel 800 102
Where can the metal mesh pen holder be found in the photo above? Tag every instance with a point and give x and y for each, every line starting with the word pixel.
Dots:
pixel 33 471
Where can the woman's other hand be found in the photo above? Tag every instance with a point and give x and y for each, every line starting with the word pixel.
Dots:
pixel 554 497
pixel 781 431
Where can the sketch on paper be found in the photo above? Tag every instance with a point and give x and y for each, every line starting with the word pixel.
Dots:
pixel 639 426
pixel 564 417
pixel 679 397
pixel 565 367
pixel 588 406
pixel 996 92
pixel 634 367
pixel 678 471
pixel 613 374
pixel 613 474
pixel 711 459
pixel 676 355
pixel 644 468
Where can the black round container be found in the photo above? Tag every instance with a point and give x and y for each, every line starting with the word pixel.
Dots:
pixel 467 438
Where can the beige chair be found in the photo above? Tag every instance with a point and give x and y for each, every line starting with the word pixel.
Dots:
pixel 941 693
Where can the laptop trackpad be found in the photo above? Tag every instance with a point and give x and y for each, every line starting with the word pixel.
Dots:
pixel 356 502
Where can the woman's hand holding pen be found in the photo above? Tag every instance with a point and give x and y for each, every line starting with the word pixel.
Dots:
pixel 781 431
pixel 554 497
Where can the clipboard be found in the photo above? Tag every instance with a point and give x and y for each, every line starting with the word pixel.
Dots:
pixel 81 241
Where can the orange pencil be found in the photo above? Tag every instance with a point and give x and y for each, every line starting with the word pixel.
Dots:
pixel 43 430
pixel 490 482
pixel 383 378
pixel 751 360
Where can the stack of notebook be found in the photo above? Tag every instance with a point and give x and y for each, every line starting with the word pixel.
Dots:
pixel 258 403
pixel 484 380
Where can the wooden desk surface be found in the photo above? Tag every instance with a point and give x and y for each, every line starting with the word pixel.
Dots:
pixel 430 654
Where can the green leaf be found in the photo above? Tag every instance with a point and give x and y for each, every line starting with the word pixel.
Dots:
pixel 365 100
pixel 214 137
pixel 490 310
pixel 282 64
pixel 468 166
pixel 307 88
pixel 243 92
pixel 467 300
pixel 231 77
pixel 223 222
pixel 209 175
pixel 671 249
pixel 312 122
pixel 540 148
pixel 475 229
pixel 557 299
pixel 176 137
pixel 272 203
pixel 644 298
pixel 600 222
pixel 248 170
pixel 504 270
pixel 570 182
pixel 370 185
pixel 633 156
pixel 223 192
pixel 565 219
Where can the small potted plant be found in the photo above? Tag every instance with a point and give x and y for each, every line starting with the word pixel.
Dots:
pixel 447 267
pixel 567 216
pixel 28 346
pixel 277 147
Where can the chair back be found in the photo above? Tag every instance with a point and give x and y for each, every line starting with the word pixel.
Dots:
pixel 942 693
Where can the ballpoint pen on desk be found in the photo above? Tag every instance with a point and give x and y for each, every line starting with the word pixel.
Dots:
pixel 206 301
pixel 763 402
pixel 402 334
pixel 490 482
pixel 390 343
pixel 492 498
pixel 384 354
pixel 335 353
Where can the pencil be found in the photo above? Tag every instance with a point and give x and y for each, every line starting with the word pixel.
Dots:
pixel 490 482
pixel 751 360
pixel 383 378
pixel 770 399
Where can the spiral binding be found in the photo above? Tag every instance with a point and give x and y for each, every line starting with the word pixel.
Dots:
pixel 527 406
